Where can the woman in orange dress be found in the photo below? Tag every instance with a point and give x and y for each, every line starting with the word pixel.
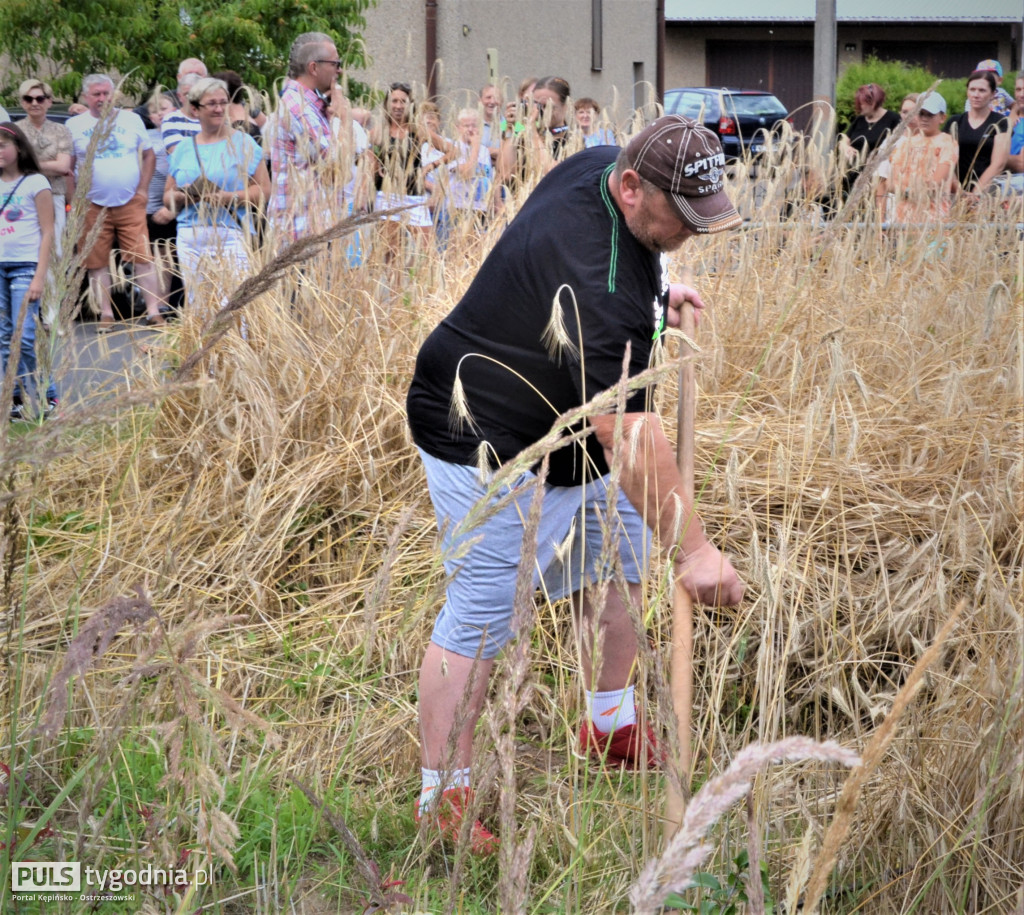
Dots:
pixel 922 166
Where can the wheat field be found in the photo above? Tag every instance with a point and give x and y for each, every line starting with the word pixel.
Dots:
pixel 218 586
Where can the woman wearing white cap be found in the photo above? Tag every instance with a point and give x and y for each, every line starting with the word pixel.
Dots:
pixel 922 166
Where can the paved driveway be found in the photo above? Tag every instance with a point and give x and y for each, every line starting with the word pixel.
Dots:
pixel 89 365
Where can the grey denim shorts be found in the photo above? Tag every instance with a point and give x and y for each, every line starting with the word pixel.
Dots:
pixel 482 561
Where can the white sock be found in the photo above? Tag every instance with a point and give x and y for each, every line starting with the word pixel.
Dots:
pixel 433 788
pixel 611 710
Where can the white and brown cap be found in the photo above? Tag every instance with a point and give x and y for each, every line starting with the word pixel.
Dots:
pixel 686 161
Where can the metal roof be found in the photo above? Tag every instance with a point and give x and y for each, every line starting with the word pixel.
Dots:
pixel 984 12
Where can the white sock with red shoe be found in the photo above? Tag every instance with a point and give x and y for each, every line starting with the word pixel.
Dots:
pixel 433 787
pixel 611 710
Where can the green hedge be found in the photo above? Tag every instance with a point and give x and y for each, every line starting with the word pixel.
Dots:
pixel 897 79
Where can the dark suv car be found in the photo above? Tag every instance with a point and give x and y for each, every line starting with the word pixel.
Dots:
pixel 740 117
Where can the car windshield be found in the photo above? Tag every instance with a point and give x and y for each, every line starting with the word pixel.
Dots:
pixel 695 105
pixel 758 106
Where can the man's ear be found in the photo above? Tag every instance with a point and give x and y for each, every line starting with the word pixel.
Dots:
pixel 630 187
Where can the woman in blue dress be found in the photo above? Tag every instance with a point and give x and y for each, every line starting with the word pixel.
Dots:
pixel 213 179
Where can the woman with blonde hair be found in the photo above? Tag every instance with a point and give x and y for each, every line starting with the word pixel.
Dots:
pixel 472 195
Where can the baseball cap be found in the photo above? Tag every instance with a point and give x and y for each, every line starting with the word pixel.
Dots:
pixel 990 65
pixel 28 85
pixel 933 103
pixel 685 160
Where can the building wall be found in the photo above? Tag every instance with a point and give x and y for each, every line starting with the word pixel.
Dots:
pixel 531 38
pixel 685 63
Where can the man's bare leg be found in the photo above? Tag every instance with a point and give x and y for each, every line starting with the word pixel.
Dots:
pixel 452 693
pixel 618 639
pixel 444 680
pixel 99 287
pixel 149 282
pixel 613 730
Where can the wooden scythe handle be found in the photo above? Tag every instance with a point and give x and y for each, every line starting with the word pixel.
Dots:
pixel 681 665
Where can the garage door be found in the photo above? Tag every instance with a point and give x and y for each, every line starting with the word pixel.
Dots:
pixel 784 68
pixel 951 59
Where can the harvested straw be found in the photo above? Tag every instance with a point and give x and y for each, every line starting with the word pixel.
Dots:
pixel 858 452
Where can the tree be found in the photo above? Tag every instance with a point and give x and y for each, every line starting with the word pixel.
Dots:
pixel 143 40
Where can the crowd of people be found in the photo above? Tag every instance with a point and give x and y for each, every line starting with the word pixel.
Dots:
pixel 207 161
pixel 189 180
pixel 940 158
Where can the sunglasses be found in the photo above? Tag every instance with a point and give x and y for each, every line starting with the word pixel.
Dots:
pixel 332 63
pixel 37 99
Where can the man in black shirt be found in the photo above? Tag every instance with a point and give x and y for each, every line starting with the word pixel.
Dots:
pixel 575 284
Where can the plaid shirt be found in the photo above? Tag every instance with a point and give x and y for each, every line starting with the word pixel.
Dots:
pixel 302 199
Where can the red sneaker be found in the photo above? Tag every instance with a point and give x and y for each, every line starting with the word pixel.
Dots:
pixel 622 747
pixel 448 817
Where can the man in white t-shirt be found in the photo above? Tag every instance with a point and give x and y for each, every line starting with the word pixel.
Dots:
pixel 122 165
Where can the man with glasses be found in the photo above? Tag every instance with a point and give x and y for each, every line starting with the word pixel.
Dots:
pixel 304 197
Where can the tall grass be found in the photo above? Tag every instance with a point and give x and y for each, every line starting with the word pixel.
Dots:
pixel 218 586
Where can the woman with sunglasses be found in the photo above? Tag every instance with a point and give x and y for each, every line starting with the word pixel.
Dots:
pixel 212 179
pixel 52 145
